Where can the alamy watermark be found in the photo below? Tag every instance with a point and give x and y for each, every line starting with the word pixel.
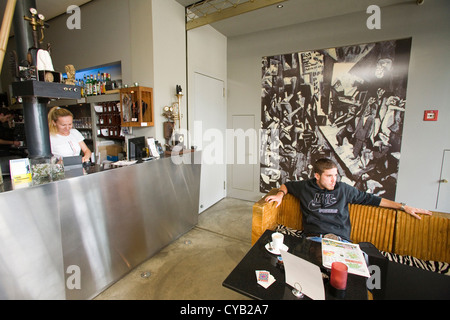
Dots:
pixel 232 146
pixel 74 21
pixel 374 21
pixel 73 281
pixel 374 282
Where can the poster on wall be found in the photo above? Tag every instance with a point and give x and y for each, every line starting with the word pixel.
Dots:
pixel 346 103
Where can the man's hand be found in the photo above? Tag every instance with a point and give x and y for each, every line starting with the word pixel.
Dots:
pixel 415 211
pixel 276 198
pixel 408 209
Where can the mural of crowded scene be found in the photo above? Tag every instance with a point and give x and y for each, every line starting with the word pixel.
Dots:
pixel 345 103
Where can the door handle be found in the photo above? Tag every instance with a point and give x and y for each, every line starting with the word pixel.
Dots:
pixel 443 181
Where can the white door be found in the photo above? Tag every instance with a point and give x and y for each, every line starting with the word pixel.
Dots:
pixel 209 136
pixel 443 201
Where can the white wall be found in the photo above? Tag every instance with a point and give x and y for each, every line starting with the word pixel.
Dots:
pixel 140 43
pixel 169 61
pixel 429 74
pixel 207 54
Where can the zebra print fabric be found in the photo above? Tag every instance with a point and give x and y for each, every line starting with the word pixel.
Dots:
pixel 289 231
pixel 434 266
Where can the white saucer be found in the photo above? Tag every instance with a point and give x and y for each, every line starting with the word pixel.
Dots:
pixel 277 252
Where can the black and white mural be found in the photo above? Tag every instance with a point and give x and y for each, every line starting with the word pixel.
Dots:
pixel 345 103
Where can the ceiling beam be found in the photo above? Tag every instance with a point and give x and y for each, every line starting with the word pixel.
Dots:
pixel 232 11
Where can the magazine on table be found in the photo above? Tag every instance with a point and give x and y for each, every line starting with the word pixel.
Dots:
pixel 347 253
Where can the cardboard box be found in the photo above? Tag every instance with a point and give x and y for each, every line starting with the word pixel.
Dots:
pixel 109 152
pixel 113 150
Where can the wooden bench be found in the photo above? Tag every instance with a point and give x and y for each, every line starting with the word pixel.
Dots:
pixel 388 229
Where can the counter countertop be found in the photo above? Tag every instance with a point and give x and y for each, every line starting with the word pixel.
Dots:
pixel 7 183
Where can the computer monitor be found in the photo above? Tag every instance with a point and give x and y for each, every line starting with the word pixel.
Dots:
pixel 136 148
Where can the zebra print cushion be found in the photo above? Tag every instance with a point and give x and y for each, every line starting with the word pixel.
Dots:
pixel 289 231
pixel 434 266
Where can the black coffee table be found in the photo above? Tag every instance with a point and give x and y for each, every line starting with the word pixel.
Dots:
pixel 243 278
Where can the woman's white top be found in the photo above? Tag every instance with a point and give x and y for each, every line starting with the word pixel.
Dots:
pixel 66 146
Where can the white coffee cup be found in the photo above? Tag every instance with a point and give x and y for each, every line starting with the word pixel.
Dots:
pixel 277 240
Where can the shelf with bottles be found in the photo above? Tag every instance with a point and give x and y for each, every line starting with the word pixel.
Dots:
pixel 94 85
pixel 100 80
pixel 137 107
pixel 108 120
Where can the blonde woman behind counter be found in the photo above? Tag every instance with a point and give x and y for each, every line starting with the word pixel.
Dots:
pixel 66 141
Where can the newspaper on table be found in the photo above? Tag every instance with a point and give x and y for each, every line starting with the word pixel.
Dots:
pixel 347 253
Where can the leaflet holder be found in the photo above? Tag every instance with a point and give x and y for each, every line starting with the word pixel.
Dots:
pixel 73 166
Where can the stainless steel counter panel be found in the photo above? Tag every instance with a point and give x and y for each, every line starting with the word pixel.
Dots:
pixel 31 256
pixel 104 224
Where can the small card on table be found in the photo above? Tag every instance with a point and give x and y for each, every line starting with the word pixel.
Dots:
pixel 264 278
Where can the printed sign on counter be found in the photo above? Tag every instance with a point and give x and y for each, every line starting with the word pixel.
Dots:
pixel 20 173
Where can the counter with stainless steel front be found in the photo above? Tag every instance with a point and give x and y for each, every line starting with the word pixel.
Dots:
pixel 71 239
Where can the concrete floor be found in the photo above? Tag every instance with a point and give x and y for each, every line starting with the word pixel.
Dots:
pixel 194 266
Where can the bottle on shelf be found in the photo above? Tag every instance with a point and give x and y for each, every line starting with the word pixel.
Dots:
pixel 81 84
pixel 103 83
pixel 94 86
pixel 89 86
pixel 99 83
pixel 85 86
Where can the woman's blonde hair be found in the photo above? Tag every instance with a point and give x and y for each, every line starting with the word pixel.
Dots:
pixel 53 116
